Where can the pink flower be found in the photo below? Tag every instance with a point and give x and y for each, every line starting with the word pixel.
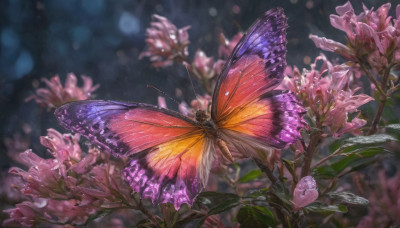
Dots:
pixel 165 42
pixel 203 65
pixel 327 94
pixel 62 146
pixel 201 103
pixel 226 46
pixel 8 188
pixel 24 213
pixel 333 46
pixel 305 192
pixel 384 199
pixel 371 35
pixel 72 186
pixel 57 95
pixel 161 102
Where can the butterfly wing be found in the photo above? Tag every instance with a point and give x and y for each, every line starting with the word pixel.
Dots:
pixel 248 113
pixel 170 156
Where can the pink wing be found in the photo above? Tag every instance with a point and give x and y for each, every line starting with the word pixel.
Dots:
pixel 170 156
pixel 250 116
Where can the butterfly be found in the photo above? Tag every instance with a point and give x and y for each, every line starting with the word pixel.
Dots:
pixel 170 155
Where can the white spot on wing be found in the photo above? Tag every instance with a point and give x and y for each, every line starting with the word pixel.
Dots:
pixel 226 93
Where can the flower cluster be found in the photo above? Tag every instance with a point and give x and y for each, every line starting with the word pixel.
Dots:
pixel 384 199
pixel 56 95
pixel 327 94
pixel 70 188
pixel 373 41
pixel 165 42
pixel 371 35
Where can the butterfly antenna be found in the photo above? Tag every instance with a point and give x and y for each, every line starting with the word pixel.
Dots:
pixel 163 93
pixel 191 83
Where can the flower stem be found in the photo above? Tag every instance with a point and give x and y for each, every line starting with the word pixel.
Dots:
pixel 309 153
pixel 371 77
pixel 382 102
pixel 372 130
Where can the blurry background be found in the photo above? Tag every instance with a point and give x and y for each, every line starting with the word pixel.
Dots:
pixel 102 39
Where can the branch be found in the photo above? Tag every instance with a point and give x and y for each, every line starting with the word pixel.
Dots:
pixel 266 170
pixel 320 162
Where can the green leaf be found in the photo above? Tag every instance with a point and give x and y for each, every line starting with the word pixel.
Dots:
pixel 212 198
pixel 145 223
pixel 393 126
pixel 279 194
pixel 361 141
pixel 348 197
pixel 224 206
pixel 255 216
pixel 219 202
pixel 325 208
pixel 251 175
pixel 352 160
pixel 169 213
pixel 257 193
pixel 290 167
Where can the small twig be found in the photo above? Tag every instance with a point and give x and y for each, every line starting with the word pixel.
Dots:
pixel 266 170
pixel 320 162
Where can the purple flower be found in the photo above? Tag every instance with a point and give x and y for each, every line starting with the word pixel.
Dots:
pixel 305 192
pixel 56 95
pixel 165 42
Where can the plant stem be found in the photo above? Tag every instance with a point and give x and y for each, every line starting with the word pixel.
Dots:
pixel 309 153
pixel 266 170
pixel 382 102
pixel 371 77
pixel 149 215
pixel 372 130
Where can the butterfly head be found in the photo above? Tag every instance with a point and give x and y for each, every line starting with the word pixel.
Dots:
pixel 202 116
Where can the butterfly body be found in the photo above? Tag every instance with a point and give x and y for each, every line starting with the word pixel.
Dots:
pixel 171 155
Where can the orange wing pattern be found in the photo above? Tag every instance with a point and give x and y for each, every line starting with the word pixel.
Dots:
pixel 170 155
pixel 174 171
pixel 255 66
pixel 274 120
pixel 251 116
pixel 124 128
